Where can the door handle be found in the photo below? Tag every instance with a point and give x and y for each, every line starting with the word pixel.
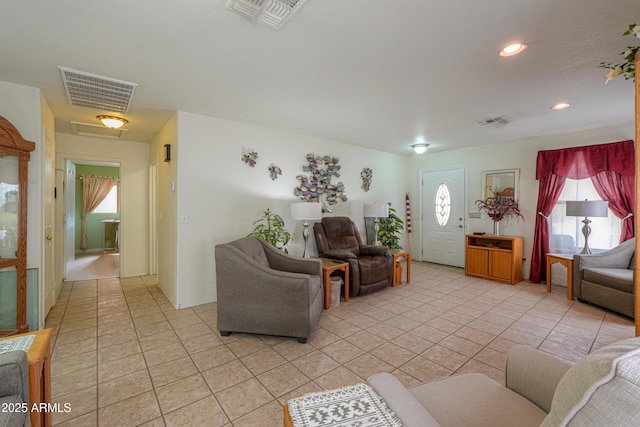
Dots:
pixel 460 226
pixel 49 237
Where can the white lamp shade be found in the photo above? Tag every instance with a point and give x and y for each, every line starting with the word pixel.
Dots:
pixel 376 210
pixel 306 211
pixel 588 208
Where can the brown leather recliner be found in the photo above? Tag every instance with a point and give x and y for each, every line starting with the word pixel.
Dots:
pixel 370 267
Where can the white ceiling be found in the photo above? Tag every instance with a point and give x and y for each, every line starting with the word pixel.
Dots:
pixel 374 73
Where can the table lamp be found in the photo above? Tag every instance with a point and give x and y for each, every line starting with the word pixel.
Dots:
pixel 587 208
pixel 376 211
pixel 306 211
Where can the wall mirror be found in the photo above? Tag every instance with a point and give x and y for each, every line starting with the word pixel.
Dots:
pixel 500 183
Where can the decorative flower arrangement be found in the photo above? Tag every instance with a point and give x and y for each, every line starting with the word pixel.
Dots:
pixel 628 67
pixel 274 171
pixel 367 176
pixel 312 188
pixel 499 208
pixel 249 156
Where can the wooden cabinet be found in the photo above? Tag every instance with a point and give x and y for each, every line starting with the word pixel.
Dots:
pixel 497 258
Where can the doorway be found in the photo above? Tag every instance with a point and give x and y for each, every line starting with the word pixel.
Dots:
pixel 443 216
pixel 97 254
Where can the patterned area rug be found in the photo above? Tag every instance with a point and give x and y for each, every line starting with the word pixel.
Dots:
pixel 357 405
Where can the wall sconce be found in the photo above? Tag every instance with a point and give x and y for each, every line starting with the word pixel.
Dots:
pixel 420 148
pixel 112 122
pixel 167 152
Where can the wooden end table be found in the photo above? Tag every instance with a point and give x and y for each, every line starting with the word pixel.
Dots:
pixel 406 255
pixel 39 357
pixel 567 261
pixel 330 266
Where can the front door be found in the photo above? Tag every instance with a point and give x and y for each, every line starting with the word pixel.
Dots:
pixel 443 224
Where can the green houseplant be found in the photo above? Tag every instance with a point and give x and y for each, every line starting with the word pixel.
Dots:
pixel 270 227
pixel 390 229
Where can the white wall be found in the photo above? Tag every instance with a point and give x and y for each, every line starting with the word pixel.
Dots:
pixel 224 196
pixel 133 159
pixel 519 154
pixel 167 207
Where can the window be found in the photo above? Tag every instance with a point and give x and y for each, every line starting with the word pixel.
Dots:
pixel 566 231
pixel 110 203
pixel 442 205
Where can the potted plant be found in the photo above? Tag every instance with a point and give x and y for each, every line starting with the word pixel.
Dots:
pixel 389 230
pixel 270 227
pixel 499 208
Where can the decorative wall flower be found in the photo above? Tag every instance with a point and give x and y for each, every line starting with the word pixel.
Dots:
pixel 312 188
pixel 628 67
pixel 367 176
pixel 274 171
pixel 499 208
pixel 249 156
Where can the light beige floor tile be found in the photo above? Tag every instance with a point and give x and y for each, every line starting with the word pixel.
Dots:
pixel 118 351
pixel 80 402
pixel 204 412
pixel 445 357
pixel 120 367
pixel 227 375
pixel 182 393
pixel 212 357
pixel 270 414
pixel 130 412
pixel 282 379
pixel 336 378
pixel 165 354
pixel 243 398
pixel 74 381
pixel 342 351
pixel 263 360
pixel 67 365
pixel 315 364
pixel 124 387
pixel 174 370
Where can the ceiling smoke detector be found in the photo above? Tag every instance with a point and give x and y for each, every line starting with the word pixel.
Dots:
pixel 272 13
pixel 496 122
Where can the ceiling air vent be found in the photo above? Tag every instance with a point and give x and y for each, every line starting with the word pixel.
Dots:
pixel 272 13
pixel 90 90
pixel 496 122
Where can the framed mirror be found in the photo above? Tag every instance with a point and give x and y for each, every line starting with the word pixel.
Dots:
pixel 500 183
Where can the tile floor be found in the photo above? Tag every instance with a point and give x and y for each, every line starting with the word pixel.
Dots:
pixel 123 356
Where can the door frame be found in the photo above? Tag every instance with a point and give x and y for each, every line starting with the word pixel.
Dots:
pixel 421 172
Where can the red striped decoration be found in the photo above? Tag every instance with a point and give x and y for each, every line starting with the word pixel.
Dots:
pixel 408 214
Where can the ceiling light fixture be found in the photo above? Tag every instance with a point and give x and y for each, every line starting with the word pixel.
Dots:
pixel 420 148
pixel 561 106
pixel 513 49
pixel 112 122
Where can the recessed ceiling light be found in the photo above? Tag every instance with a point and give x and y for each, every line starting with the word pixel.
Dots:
pixel 561 106
pixel 513 49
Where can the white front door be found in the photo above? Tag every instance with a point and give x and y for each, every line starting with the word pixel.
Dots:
pixel 49 178
pixel 443 214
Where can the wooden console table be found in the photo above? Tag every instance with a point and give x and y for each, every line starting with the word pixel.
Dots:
pixel 497 258
pixel 406 255
pixel 39 357
pixel 329 266
pixel 567 261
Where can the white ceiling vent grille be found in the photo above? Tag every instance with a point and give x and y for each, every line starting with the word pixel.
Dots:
pixel 496 122
pixel 272 13
pixel 98 131
pixel 90 90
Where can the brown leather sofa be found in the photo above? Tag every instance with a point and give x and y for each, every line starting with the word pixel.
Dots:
pixel 370 267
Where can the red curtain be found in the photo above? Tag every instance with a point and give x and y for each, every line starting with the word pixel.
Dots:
pixel 548 194
pixel 611 168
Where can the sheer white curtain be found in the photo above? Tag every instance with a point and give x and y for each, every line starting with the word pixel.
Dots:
pixel 94 190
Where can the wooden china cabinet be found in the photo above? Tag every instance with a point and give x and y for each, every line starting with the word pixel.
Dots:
pixel 14 158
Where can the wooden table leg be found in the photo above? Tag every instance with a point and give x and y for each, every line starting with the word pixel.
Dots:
pixel 346 282
pixel 570 280
pixel 548 273
pixel 408 268
pixel 326 282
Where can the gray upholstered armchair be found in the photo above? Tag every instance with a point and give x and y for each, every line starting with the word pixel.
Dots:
pixel 370 267
pixel 261 290
pixel 14 388
pixel 606 279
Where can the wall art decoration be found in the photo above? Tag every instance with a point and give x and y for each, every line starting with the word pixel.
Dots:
pixel 274 171
pixel 367 176
pixel 249 156
pixel 318 187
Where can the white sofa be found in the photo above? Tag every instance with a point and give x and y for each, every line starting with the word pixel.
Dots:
pixel 603 389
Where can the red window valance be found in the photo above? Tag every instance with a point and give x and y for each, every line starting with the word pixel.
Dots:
pixel 587 161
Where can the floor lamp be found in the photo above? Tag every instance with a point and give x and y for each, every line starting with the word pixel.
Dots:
pixel 376 211
pixel 306 211
pixel 588 208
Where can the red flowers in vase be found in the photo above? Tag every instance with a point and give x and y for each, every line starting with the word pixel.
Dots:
pixel 499 208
